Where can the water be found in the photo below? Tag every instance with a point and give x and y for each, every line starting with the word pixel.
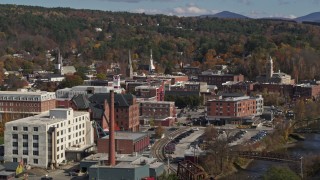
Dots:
pixel 257 168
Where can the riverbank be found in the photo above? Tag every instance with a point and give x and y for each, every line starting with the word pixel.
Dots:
pixel 271 143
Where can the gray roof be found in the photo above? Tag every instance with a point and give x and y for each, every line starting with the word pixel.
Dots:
pixel 11 166
pixel 120 100
pixel 81 101
pixel 96 101
pixel 128 135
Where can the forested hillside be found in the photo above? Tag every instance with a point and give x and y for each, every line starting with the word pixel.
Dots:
pixel 243 43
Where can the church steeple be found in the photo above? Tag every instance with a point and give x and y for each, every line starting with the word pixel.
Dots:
pixel 129 71
pixel 58 65
pixel 151 67
pixel 269 68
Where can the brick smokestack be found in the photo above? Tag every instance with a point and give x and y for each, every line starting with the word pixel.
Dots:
pixel 112 150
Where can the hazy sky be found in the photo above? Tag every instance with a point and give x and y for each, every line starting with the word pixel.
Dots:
pixel 251 8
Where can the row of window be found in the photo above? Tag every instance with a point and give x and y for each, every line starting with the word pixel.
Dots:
pixel 35 161
pixel 69 122
pixel 15 128
pixel 24 104
pixel 25 152
pixel 19 98
pixel 69 136
pixel 25 136
pixel 75 128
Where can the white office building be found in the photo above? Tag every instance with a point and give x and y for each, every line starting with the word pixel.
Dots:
pixel 42 140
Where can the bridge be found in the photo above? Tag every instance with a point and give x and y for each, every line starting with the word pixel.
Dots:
pixel 312 126
pixel 268 156
pixel 307 130
pixel 188 170
pixel 272 156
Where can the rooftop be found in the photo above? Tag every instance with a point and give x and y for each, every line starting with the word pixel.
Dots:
pixel 25 93
pixel 44 118
pixel 127 135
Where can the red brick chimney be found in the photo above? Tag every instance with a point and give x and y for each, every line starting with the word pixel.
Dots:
pixel 112 150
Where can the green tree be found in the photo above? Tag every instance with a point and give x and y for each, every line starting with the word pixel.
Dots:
pixel 166 176
pixel 280 173
pixel 101 76
pixel 70 81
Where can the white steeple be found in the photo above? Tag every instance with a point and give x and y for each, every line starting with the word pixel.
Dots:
pixel 269 68
pixel 152 68
pixel 129 70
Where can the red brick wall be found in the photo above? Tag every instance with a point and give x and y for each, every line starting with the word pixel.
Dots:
pixel 124 146
pixel 246 107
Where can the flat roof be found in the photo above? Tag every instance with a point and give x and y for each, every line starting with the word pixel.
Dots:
pixel 25 93
pixel 127 135
pixel 44 118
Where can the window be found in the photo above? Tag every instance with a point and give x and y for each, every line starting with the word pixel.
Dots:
pixel 36 153
pixel 14 136
pixel 61 155
pixel 35 128
pixel 15 152
pixel 62 147
pixel 61 139
pixel 61 132
pixel 15 128
pixel 25 152
pixel 69 129
pixel 58 148
pixel 25 144
pixel 58 141
pixel 35 161
pixel 25 128
pixel 35 137
pixel 25 136
pixel 58 156
pixel 14 159
pixel 15 144
pixel 69 137
pixel 36 145
pixel 58 133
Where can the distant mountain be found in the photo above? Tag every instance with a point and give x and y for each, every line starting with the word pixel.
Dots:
pixel 313 17
pixel 226 15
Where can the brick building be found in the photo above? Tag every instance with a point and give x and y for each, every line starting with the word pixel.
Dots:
pixel 150 92
pixel 217 79
pixel 162 112
pixel 245 87
pixel 234 108
pixel 307 91
pixel 18 104
pixel 126 110
pixel 282 89
pixel 125 142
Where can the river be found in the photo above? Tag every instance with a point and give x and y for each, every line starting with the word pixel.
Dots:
pixel 311 145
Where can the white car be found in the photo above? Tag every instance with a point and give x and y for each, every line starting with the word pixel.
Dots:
pixel 195 129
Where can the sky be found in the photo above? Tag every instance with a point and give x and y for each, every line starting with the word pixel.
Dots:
pixel 250 8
